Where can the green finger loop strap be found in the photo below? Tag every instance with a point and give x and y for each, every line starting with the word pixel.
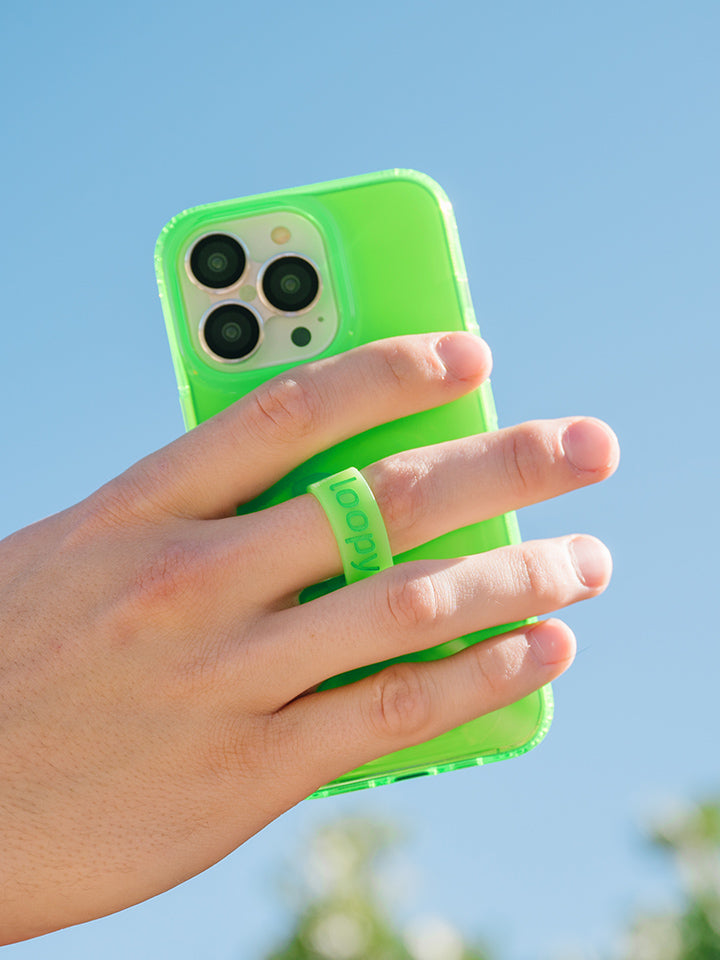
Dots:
pixel 356 521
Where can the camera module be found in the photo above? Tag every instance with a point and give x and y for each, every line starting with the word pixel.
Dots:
pixel 290 284
pixel 230 331
pixel 217 261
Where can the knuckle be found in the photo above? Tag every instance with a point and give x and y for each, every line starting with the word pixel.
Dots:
pixel 400 702
pixel 201 672
pixel 484 666
pixel 400 488
pixel 284 410
pixel 400 366
pixel 525 458
pixel 548 579
pixel 133 496
pixel 113 506
pixel 414 602
pixel 267 746
pixel 222 750
pixel 215 663
pixel 169 577
pixel 496 665
pixel 107 513
pixel 235 750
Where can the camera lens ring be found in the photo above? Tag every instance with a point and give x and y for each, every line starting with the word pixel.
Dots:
pixel 230 331
pixel 305 300
pixel 220 246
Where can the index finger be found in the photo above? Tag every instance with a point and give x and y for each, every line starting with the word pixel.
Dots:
pixel 243 450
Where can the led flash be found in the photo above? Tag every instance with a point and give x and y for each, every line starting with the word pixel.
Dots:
pixel 280 235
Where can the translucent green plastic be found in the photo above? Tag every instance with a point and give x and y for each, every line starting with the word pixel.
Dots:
pixel 356 522
pixel 396 267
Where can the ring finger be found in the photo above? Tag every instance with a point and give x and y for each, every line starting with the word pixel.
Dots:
pixel 424 603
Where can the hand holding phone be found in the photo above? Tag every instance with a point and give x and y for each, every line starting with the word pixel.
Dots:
pixel 158 677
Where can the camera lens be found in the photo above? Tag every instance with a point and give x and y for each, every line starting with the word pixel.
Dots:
pixel 290 284
pixel 217 261
pixel 231 331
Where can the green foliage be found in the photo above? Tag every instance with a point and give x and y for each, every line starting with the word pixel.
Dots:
pixel 342 897
pixel 691 837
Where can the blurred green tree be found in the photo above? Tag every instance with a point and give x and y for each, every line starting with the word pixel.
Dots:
pixel 342 896
pixel 691 837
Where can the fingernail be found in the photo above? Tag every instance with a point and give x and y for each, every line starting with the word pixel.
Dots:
pixel 592 561
pixel 552 642
pixel 464 355
pixel 589 445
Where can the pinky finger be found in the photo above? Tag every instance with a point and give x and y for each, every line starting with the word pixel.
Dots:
pixel 409 703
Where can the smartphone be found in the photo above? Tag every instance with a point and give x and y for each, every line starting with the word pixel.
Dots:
pixel 253 287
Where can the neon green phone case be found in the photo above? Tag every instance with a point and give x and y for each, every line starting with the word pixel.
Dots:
pixel 390 263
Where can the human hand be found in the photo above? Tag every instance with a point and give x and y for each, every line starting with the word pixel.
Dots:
pixel 154 655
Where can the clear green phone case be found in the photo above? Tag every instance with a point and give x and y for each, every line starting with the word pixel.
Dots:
pixel 391 264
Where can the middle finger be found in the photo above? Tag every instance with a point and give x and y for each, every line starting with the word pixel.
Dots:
pixel 426 492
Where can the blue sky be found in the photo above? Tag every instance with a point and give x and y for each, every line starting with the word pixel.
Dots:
pixel 579 144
